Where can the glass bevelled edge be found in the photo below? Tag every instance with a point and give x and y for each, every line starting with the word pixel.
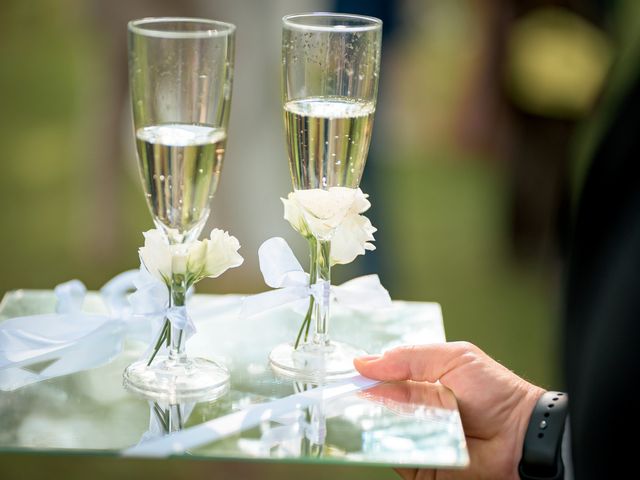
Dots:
pixel 374 23
pixel 224 28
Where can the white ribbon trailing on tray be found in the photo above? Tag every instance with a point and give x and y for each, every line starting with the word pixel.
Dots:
pixel 282 271
pixel 37 347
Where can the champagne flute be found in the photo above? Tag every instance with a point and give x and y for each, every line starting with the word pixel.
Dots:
pixel 180 72
pixel 330 65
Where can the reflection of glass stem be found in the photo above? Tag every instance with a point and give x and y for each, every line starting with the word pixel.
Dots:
pixel 315 432
pixel 171 336
pixel 170 417
pixel 314 426
pixel 319 275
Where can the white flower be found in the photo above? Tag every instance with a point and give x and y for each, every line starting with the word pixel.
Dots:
pixel 317 212
pixel 221 253
pixel 198 259
pixel 156 255
pixel 293 215
pixel 324 210
pixel 179 257
pixel 335 213
pixel 351 239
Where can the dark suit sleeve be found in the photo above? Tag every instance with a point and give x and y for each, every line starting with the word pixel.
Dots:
pixel 602 307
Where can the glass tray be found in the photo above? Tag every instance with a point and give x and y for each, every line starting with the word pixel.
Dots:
pixel 392 424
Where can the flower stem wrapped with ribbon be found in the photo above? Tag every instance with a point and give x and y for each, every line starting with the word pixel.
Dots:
pixel 332 222
pixel 179 267
pixel 282 271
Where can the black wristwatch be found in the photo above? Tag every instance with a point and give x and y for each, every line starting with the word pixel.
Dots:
pixel 541 452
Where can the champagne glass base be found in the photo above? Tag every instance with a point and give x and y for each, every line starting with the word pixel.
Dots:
pixel 315 363
pixel 190 379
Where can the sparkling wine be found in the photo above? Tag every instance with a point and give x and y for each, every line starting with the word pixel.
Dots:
pixel 328 139
pixel 180 166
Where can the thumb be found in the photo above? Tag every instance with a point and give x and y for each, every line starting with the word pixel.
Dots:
pixel 418 362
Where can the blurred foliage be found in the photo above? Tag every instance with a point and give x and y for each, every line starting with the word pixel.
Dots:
pixel 52 97
pixel 557 63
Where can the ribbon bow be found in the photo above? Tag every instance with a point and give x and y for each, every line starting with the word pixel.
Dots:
pixel 37 347
pixel 282 271
pixel 151 300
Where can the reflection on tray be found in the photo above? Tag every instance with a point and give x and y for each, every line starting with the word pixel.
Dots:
pixel 402 423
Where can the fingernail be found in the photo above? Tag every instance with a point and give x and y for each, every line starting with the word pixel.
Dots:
pixel 368 358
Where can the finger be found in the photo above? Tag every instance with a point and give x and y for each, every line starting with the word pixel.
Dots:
pixel 419 362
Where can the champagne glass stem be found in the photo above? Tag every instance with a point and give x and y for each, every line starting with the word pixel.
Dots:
pixel 313 256
pixel 322 281
pixel 304 327
pixel 178 299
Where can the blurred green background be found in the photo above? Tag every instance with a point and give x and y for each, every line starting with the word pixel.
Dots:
pixel 469 172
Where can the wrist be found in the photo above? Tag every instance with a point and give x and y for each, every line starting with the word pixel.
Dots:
pixel 525 407
pixel 541 451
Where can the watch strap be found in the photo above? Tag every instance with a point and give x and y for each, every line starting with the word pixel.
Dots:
pixel 541 452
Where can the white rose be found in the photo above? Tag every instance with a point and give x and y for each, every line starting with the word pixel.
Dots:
pixel 293 215
pixel 197 258
pixel 351 239
pixel 360 202
pixel 221 253
pixel 334 213
pixel 324 210
pixel 179 258
pixel 354 233
pixel 156 255
pixel 201 258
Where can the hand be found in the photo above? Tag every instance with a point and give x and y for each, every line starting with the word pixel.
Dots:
pixel 495 404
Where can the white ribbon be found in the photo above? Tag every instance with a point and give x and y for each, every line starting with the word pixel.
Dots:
pixel 282 271
pixel 37 347
pixel 151 299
